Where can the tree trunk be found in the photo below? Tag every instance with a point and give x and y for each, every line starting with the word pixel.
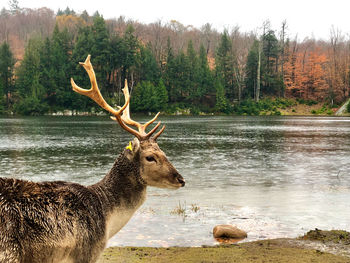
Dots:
pixel 282 62
pixel 258 74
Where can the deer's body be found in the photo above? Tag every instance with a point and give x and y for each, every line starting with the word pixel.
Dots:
pixel 56 222
pixel 67 222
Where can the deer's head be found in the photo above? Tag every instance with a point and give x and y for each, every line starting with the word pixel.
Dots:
pixel 155 169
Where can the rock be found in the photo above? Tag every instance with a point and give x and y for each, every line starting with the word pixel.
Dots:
pixel 228 231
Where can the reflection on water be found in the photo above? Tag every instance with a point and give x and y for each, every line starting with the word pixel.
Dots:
pixel 271 176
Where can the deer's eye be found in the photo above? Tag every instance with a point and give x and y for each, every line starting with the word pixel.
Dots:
pixel 150 159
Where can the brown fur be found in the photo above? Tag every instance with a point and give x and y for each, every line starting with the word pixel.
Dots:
pixel 68 222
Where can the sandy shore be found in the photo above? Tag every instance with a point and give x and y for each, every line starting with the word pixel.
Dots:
pixel 315 246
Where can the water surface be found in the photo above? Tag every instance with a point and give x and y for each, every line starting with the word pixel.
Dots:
pixel 271 176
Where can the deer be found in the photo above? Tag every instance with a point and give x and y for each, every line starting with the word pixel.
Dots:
pixel 63 222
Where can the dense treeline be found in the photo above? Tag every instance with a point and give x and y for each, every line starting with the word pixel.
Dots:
pixel 168 66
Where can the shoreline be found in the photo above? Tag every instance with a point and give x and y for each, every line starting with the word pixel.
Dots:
pixel 265 107
pixel 89 114
pixel 315 246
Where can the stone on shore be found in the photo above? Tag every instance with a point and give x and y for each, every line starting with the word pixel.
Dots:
pixel 229 231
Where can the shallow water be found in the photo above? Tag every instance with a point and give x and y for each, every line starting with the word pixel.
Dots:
pixel 271 176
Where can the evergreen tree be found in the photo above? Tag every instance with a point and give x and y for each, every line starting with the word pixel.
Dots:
pixel 251 70
pixel 85 16
pixel 193 73
pixel 130 56
pixel 100 51
pixel 162 96
pixel 116 51
pixel 148 68
pixel 7 63
pixel 68 11
pixel 29 71
pixel 222 104
pixel 81 50
pixel 272 80
pixel 59 94
pixel 205 78
pixel 149 98
pixel 48 71
pixel 181 78
pixel 59 12
pixel 224 65
pixel 169 72
pixel 31 92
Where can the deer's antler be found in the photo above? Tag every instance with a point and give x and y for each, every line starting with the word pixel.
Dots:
pixel 95 94
pixel 141 127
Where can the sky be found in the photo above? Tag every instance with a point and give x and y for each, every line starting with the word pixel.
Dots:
pixel 305 18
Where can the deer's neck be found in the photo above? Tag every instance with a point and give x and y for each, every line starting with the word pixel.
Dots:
pixel 122 192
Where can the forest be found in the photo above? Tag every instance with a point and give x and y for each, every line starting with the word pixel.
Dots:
pixel 170 67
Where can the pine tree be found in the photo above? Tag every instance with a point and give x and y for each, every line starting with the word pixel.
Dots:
pixel 28 83
pixel 131 58
pixel 116 51
pixel 81 50
pixel 100 51
pixel 149 98
pixel 251 70
pixel 222 104
pixel 148 68
pixel 169 73
pixel 182 78
pixel 224 65
pixel 273 83
pixel 29 71
pixel 7 63
pixel 193 73
pixel 205 85
pixel 162 96
pixel 48 71
pixel 60 96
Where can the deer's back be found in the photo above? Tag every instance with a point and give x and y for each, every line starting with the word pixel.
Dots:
pixel 43 221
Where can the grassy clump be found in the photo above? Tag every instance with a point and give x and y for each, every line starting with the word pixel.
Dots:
pixel 266 106
pixel 307 102
pixel 323 110
pixel 180 210
pixel 335 236
pixel 195 208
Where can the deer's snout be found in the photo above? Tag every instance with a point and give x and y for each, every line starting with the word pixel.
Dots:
pixel 181 180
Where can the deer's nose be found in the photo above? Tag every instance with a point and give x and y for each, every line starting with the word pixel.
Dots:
pixel 181 181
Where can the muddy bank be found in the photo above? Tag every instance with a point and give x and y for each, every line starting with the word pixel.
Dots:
pixel 315 246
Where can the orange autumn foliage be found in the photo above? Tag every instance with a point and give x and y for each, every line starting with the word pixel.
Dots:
pixel 305 75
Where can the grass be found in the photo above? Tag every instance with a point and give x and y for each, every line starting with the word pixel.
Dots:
pixel 195 208
pixel 277 251
pixel 180 210
pixel 335 236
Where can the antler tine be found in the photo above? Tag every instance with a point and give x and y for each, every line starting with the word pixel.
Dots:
pixel 95 94
pixel 127 119
pixel 159 133
pixel 151 121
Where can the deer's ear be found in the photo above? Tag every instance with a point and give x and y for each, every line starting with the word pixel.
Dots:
pixel 132 149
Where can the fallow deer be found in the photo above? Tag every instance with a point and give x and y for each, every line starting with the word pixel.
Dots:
pixel 68 222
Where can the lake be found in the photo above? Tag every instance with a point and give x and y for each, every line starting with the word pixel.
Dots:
pixel 271 176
